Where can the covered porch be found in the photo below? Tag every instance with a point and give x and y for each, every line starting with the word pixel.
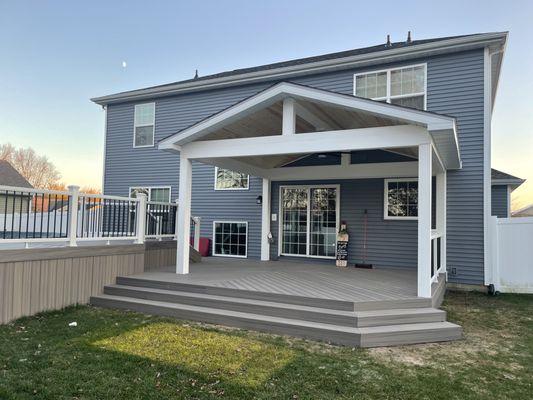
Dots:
pixel 266 136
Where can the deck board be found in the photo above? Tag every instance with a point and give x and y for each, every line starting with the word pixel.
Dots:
pixel 298 278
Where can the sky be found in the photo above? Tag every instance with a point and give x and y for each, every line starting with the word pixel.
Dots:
pixel 56 55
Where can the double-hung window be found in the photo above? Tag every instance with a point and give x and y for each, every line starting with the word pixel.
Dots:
pixel 401 198
pixel 161 194
pixel 230 180
pixel 404 86
pixel 144 123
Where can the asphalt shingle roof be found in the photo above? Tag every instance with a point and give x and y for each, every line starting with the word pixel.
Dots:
pixel 495 174
pixel 9 176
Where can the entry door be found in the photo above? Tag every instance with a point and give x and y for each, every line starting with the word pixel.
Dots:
pixel 309 221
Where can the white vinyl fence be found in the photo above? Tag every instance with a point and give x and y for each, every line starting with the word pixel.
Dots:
pixel 511 267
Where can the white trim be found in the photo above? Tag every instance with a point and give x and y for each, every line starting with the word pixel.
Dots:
pixel 143 125
pixel 282 90
pixel 214 239
pixel 288 123
pixel 487 178
pixel 508 202
pixel 386 199
pixel 150 191
pixel 265 220
pixel 105 150
pixel 337 187
pixel 360 60
pixel 388 96
pixel 230 189
pixel 316 142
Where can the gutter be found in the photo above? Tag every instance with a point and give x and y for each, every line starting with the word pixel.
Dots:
pixel 387 55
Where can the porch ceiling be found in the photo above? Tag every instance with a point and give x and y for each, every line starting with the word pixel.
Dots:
pixel 350 123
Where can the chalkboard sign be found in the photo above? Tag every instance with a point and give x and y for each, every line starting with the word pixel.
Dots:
pixel 342 253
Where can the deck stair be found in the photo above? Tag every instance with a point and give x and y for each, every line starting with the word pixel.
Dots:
pixel 369 324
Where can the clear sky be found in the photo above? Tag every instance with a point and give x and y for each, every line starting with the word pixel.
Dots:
pixel 55 55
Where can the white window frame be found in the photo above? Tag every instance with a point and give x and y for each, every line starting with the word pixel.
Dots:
pixel 150 191
pixel 230 189
pixel 135 126
pixel 214 239
pixel 388 97
pixel 386 199
pixel 308 233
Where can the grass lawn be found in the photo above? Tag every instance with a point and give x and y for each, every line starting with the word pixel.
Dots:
pixel 122 355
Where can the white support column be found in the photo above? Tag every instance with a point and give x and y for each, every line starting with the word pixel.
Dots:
pixel 265 221
pixel 441 215
pixel 289 117
pixel 424 220
pixel 141 216
pixel 184 215
pixel 73 214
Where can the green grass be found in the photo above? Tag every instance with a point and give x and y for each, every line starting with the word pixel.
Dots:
pixel 122 355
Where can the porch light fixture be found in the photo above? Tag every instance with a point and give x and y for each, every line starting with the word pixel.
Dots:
pixel 259 200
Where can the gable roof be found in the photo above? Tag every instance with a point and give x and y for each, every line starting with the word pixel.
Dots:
pixel 503 178
pixel 441 127
pixel 9 176
pixel 320 63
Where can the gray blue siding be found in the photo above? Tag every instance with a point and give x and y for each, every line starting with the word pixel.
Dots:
pixel 455 87
pixel 499 201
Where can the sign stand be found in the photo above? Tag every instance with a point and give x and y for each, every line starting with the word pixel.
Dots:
pixel 342 246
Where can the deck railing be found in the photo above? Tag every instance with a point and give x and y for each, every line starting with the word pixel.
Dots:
pixel 70 217
pixel 436 255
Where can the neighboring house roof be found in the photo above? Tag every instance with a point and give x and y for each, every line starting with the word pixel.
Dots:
pixel 526 211
pixel 322 63
pixel 9 176
pixel 502 178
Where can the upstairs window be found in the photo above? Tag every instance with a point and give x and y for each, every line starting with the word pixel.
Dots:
pixel 143 135
pixel 401 199
pixel 402 86
pixel 230 180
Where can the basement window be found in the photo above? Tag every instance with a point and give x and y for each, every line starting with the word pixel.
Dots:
pixel 401 199
pixel 230 238
pixel 144 123
pixel 404 86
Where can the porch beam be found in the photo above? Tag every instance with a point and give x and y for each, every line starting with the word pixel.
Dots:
pixel 184 216
pixel 265 221
pixel 288 126
pixel 424 220
pixel 307 115
pixel 236 165
pixel 351 171
pixel 315 142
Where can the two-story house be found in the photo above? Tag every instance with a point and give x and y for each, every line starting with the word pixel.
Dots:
pixel 393 141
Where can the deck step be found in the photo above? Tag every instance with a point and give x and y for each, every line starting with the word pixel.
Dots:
pixel 332 304
pixel 283 310
pixel 352 336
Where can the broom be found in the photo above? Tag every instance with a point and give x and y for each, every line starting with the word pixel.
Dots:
pixel 365 223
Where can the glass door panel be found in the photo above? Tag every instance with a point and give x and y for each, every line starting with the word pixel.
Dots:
pixel 294 230
pixel 323 233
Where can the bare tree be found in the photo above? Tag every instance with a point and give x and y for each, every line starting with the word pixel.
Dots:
pixel 37 170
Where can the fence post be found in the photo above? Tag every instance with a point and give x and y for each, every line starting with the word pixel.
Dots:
pixel 196 243
pixel 142 200
pixel 74 194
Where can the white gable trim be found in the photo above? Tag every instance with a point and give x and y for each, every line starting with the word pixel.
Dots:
pixel 282 90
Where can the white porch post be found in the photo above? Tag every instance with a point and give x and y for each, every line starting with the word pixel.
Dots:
pixel 265 221
pixel 289 117
pixel 184 215
pixel 424 220
pixel 441 216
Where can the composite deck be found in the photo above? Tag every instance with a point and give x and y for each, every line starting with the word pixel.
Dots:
pixel 355 307
pixel 296 278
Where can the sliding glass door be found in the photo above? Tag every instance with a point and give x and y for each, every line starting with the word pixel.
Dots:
pixel 309 221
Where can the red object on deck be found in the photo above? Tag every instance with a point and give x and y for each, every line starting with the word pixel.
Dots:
pixel 204 246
